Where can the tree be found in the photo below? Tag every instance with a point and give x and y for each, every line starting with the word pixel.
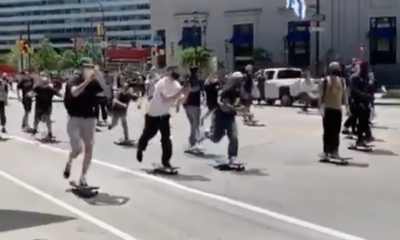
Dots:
pixel 13 58
pixel 68 59
pixel 89 49
pixel 45 56
pixel 199 56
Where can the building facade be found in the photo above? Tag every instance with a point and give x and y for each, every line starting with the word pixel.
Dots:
pixel 62 20
pixel 243 30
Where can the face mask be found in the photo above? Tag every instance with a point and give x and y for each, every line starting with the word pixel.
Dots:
pixel 175 75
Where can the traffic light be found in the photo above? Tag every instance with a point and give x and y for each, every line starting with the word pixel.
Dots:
pixel 100 30
pixel 22 46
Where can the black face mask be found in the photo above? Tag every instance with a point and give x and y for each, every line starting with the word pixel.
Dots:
pixel 336 73
pixel 175 75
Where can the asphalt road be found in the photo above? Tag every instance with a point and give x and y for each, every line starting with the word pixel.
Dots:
pixel 284 190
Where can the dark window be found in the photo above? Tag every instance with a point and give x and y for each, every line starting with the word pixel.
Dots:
pixel 382 40
pixel 285 74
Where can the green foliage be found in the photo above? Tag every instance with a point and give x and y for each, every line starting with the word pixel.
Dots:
pixel 45 57
pixel 68 59
pixel 89 49
pixel 199 56
pixel 4 59
pixel 261 54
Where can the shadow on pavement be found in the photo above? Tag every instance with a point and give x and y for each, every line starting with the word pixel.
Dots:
pixel 381 152
pixel 383 127
pixel 178 177
pixel 101 199
pixel 11 220
pixel 258 172
pixel 105 199
pixel 4 139
pixel 210 156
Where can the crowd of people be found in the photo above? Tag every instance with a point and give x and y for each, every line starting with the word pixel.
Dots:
pixel 92 97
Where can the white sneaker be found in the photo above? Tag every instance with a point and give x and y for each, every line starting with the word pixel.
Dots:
pixel 232 160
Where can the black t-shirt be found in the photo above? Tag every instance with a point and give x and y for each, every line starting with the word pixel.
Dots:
pixel 123 97
pixel 84 104
pixel 25 85
pixel 44 97
pixel 194 97
pixel 231 94
pixel 211 90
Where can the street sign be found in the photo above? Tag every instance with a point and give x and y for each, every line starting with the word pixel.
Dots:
pixel 316 29
pixel 318 17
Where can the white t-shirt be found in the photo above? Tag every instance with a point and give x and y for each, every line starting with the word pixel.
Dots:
pixel 157 105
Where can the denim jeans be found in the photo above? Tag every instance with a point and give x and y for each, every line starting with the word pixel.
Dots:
pixel 193 114
pixel 226 125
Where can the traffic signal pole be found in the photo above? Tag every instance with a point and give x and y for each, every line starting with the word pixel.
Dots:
pixel 21 55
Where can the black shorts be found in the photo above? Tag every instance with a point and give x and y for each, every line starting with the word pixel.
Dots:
pixel 41 114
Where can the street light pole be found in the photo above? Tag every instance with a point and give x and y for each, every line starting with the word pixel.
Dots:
pixel 103 37
pixel 317 36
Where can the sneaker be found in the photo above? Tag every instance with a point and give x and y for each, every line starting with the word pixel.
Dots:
pixel 67 170
pixel 232 160
pixel 335 155
pixel 82 182
pixel 3 130
pixel 139 155
pixel 203 135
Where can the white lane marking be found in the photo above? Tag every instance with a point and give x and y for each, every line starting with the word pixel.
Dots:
pixel 68 207
pixel 243 205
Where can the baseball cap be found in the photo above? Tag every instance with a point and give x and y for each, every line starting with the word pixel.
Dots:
pixel 86 62
pixel 237 75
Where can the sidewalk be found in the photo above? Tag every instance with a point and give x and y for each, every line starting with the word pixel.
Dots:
pixel 387 102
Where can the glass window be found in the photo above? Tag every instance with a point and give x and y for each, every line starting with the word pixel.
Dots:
pixel 290 73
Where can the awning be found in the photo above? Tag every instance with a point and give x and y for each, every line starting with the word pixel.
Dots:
pixel 298 36
pixel 382 33
pixel 241 38
pixel 127 54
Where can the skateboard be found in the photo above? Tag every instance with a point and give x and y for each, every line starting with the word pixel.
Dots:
pixel 84 191
pixel 343 161
pixel 231 167
pixel 47 139
pixel 253 123
pixel 159 169
pixel 364 148
pixel 126 143
pixel 196 152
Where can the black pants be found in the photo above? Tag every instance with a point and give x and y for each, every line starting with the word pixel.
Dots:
pixel 101 108
pixel 3 118
pixel 362 115
pixel 332 122
pixel 351 121
pixel 151 126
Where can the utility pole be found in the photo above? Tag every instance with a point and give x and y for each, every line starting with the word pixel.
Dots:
pixel 28 32
pixel 92 39
pixel 317 36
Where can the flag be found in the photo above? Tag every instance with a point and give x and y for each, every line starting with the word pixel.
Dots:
pixel 298 6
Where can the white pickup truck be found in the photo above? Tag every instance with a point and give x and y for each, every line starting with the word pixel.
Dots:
pixel 287 85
